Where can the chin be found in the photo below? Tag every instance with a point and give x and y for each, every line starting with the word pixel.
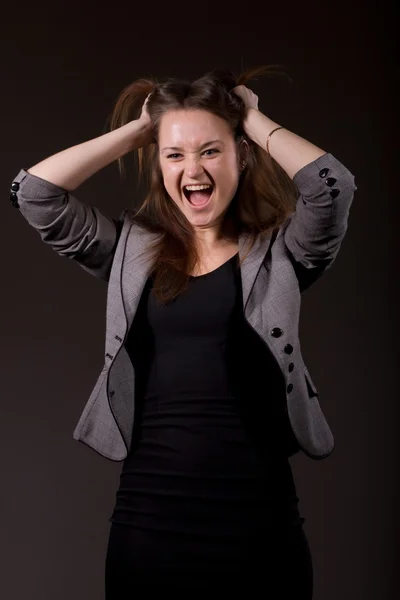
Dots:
pixel 200 220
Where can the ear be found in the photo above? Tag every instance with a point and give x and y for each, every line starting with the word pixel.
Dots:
pixel 243 152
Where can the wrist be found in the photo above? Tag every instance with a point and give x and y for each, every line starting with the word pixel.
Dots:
pixel 258 126
pixel 135 134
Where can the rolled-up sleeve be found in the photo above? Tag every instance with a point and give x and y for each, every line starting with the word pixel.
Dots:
pixel 72 228
pixel 317 228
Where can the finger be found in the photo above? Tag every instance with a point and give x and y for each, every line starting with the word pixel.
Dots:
pixel 238 90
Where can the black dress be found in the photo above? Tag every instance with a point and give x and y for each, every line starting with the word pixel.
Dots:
pixel 206 493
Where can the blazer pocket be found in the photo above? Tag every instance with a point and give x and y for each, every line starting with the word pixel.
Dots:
pixel 312 390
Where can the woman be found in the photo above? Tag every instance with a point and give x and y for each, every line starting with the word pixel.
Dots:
pixel 204 394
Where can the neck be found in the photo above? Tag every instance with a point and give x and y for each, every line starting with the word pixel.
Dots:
pixel 207 238
pixel 216 236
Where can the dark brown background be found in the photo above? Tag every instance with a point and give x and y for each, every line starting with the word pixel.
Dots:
pixel 62 69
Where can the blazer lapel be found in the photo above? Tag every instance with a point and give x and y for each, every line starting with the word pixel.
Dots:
pixel 252 263
pixel 135 269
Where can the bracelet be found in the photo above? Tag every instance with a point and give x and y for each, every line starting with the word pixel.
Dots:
pixel 273 131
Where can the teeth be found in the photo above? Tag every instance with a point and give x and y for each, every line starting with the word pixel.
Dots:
pixel 196 188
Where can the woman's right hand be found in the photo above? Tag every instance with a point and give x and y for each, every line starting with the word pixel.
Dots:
pixel 147 135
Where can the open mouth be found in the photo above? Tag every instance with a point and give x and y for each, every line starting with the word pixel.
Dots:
pixel 198 196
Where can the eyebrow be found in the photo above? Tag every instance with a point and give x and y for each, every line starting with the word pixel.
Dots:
pixel 201 147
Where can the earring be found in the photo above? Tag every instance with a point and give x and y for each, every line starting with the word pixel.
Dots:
pixel 243 167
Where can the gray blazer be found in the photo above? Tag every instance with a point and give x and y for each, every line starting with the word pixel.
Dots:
pixel 274 275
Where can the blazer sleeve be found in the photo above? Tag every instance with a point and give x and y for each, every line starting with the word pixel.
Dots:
pixel 73 229
pixel 316 230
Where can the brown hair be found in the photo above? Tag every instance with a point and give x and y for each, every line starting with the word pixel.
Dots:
pixel 265 196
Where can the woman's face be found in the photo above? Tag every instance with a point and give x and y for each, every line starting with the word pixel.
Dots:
pixel 197 148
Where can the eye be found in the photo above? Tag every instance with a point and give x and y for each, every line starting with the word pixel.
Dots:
pixel 176 155
pixel 214 150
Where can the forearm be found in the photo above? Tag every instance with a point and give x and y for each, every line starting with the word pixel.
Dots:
pixel 71 167
pixel 290 151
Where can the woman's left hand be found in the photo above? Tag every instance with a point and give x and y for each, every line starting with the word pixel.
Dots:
pixel 249 98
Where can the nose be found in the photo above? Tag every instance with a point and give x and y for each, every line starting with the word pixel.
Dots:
pixel 193 167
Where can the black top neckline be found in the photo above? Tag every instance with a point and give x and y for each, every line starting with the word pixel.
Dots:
pixel 215 270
